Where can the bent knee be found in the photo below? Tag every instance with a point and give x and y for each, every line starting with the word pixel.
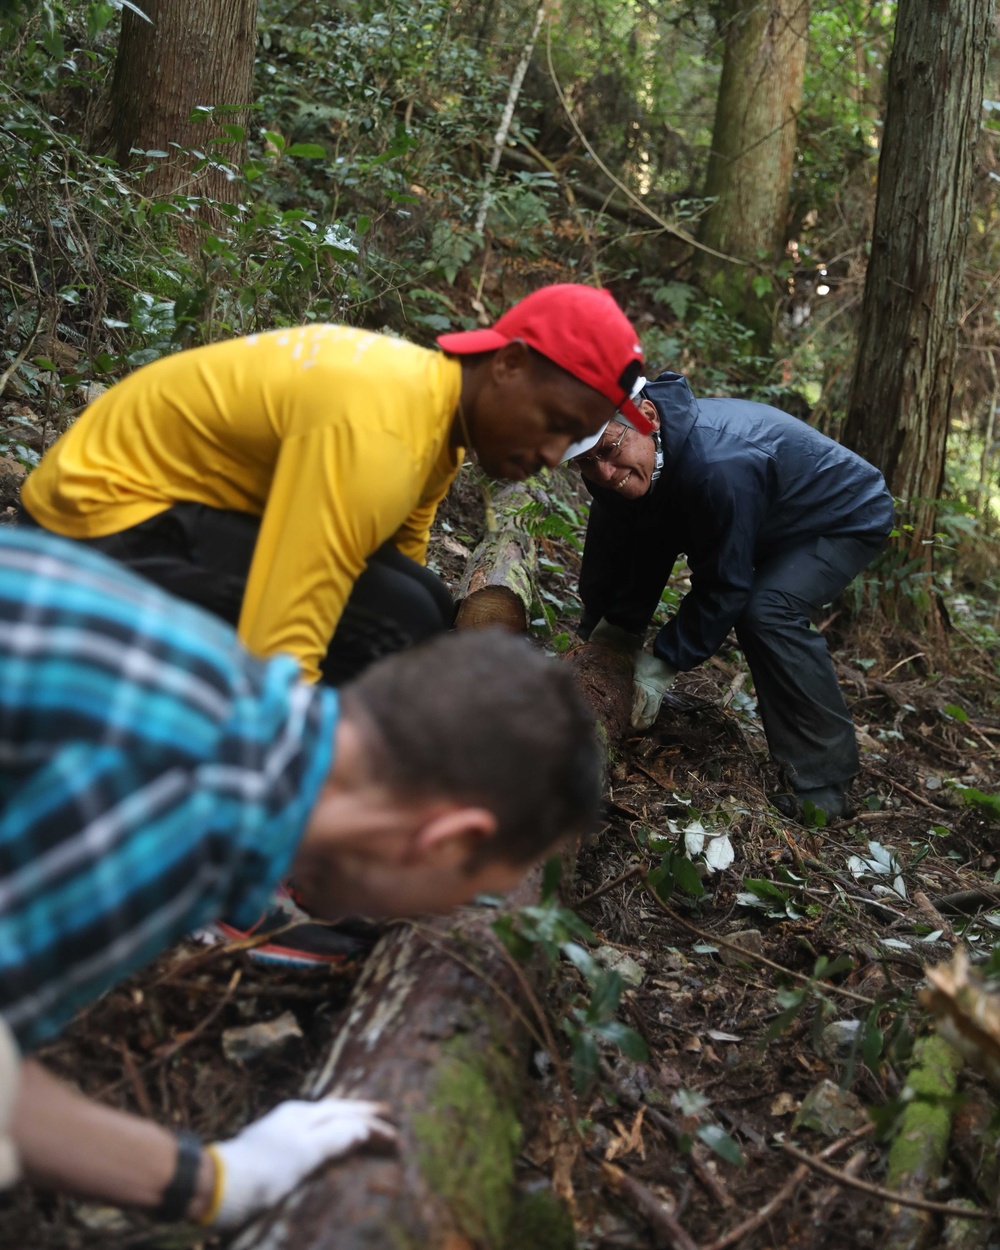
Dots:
pixel 769 610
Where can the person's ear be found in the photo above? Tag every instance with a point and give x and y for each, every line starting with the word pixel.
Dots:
pixel 648 410
pixel 513 358
pixel 451 836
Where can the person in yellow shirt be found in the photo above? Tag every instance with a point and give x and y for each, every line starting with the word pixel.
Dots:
pixel 287 481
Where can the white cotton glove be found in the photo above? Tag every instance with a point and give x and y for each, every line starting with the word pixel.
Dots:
pixel 271 1156
pixel 615 638
pixel 10 1079
pixel 651 681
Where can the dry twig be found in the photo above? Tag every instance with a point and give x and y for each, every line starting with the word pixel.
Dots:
pixel 917 798
pixel 714 940
pixel 753 1222
pixel 887 1195
pixel 652 1209
pixel 635 871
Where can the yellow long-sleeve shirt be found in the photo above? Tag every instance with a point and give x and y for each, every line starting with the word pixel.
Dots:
pixel 336 438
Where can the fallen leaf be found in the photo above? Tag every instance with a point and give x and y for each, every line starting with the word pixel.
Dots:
pixel 784 1103
pixel 627 1142
pixel 968 1014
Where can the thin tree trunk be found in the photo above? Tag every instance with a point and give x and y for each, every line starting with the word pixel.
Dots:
pixel 900 402
pixel 753 150
pixel 191 55
pixel 500 138
pixel 985 488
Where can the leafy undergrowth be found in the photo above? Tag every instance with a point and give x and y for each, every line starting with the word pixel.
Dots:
pixel 774 968
pixel 754 959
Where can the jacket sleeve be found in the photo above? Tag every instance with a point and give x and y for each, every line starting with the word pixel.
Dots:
pixel 731 502
pixel 622 574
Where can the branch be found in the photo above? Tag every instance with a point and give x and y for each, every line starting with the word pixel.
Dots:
pixel 744 953
pixel 753 1222
pixel 500 138
pixel 676 231
pixel 887 1195
pixel 654 1211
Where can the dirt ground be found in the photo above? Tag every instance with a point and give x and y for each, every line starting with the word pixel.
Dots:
pixel 733 1053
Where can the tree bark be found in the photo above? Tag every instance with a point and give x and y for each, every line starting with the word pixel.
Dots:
pixel 753 151
pixel 436 1029
pixel 497 587
pixel 920 1147
pixel 900 400
pixel 192 54
pixel 440 1027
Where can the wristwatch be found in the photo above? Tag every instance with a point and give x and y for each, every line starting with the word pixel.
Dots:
pixel 181 1189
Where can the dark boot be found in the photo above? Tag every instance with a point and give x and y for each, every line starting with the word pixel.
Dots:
pixel 830 800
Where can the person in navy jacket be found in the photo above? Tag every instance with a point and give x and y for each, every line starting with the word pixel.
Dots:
pixel 775 520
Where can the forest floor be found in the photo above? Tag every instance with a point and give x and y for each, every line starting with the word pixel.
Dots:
pixel 738 1042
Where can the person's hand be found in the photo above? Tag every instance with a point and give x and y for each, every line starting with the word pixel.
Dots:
pixel 651 680
pixel 271 1156
pixel 623 641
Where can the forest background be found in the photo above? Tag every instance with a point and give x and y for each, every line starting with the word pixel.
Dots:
pixel 294 161
pixel 416 167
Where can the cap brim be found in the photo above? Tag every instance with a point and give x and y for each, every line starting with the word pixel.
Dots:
pixel 584 444
pixel 468 342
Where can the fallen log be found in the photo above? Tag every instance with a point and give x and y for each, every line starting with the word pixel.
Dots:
pixel 605 678
pixel 441 1027
pixel 497 587
pixel 921 1144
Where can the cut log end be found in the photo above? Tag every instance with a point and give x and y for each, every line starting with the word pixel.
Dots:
pixel 492 606
pixel 605 680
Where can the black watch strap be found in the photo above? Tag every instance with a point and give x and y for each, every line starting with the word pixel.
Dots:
pixel 178 1194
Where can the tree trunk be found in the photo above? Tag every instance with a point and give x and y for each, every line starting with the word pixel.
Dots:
pixel 901 392
pixel 440 1027
pixel 436 1029
pixel 192 54
pixel 920 1147
pixel 497 587
pixel 753 151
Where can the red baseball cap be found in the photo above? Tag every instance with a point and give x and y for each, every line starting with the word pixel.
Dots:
pixel 577 327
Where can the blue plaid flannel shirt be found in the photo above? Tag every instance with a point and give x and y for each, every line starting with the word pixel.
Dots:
pixel 153 775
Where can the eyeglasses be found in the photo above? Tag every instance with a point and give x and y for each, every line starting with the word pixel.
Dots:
pixel 603 451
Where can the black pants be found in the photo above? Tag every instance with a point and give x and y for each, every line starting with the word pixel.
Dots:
pixel 809 729
pixel 203 554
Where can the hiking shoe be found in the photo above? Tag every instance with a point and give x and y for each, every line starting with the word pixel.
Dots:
pixel 299 940
pixel 805 806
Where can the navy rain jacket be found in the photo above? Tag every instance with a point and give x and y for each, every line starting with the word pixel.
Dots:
pixel 741 482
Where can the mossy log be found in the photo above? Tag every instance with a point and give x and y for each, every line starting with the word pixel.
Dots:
pixel 920 1147
pixel 436 1028
pixel 497 588
pixel 440 1028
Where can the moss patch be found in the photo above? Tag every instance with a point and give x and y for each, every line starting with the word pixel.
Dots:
pixel 921 1144
pixel 468 1140
pixel 540 1221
